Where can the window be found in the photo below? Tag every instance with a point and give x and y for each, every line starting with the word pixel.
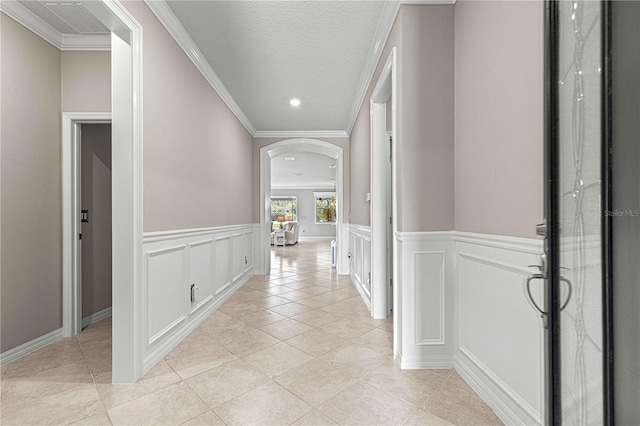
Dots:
pixel 325 207
pixel 283 209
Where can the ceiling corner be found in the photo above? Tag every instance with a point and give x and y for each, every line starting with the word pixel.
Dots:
pixel 171 23
pixel 31 21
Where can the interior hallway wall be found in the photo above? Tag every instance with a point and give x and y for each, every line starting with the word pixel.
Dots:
pixel 197 155
pixel 498 117
pixel 86 81
pixel 423 37
pixel 360 138
pixel 31 292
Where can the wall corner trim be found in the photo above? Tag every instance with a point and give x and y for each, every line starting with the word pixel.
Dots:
pixel 30 346
pixel 173 26
pixel 35 24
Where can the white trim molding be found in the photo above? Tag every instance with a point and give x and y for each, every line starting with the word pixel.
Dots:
pixel 173 26
pixel 31 346
pixel 290 134
pixel 96 317
pixel 35 24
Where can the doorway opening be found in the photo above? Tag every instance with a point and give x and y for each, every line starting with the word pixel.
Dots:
pixel 383 193
pixel 73 219
pixel 292 146
pixel 95 223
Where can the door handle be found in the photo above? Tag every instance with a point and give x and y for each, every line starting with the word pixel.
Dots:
pixel 541 276
pixel 530 296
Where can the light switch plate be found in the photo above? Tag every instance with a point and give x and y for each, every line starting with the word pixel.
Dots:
pixel 367 196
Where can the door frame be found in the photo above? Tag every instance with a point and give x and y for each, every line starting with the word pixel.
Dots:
pixel 127 182
pixel 300 145
pixel 71 228
pixel 385 87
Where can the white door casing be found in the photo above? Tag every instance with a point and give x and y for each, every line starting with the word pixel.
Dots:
pixel 384 90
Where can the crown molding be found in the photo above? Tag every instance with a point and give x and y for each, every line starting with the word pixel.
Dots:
pixel 38 26
pixel 293 134
pixel 171 23
pixel 383 30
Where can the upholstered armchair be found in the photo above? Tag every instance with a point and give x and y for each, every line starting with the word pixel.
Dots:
pixel 291 233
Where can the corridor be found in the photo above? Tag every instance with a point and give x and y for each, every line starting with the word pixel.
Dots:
pixel 295 347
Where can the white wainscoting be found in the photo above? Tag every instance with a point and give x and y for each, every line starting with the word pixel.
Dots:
pixel 360 260
pixel 500 336
pixel 425 303
pixel 217 261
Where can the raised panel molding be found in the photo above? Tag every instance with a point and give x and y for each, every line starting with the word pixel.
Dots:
pixel 175 260
pixel 500 348
pixel 360 260
pixel 429 288
pixel 166 276
pixel 223 250
pixel 426 305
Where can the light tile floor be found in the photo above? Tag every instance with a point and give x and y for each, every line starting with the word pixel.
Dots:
pixel 295 347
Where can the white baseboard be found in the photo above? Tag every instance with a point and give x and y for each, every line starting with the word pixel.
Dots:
pixel 31 346
pixel 427 362
pixel 94 318
pixel 498 402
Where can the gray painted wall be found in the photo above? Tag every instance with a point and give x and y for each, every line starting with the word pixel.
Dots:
pixel 626 196
pixel 359 140
pixel 86 81
pixel 306 207
pixel 96 234
pixel 498 116
pixel 424 38
pixel 197 155
pixel 31 243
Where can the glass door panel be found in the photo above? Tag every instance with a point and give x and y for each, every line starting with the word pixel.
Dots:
pixel 577 279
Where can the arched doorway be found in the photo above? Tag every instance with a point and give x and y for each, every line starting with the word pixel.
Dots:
pixel 291 146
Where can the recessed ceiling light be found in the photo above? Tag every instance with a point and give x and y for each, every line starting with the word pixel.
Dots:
pixel 289 158
pixel 295 102
pixel 332 166
pixel 297 174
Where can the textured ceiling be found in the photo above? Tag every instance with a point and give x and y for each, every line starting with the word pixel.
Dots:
pixel 306 171
pixel 66 17
pixel 267 52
